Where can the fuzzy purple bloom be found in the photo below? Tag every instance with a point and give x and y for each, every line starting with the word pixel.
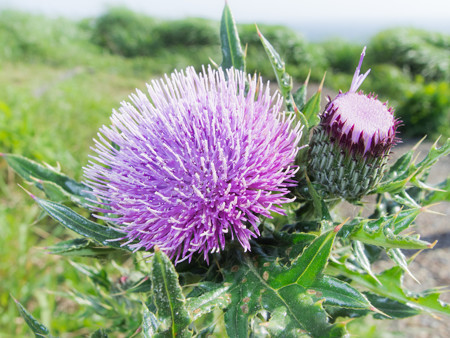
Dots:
pixel 195 163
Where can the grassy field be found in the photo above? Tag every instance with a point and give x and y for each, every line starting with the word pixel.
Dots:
pixel 58 86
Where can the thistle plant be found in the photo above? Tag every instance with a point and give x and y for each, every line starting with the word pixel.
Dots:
pixel 208 206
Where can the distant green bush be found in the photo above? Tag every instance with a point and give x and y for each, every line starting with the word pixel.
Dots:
pixel 126 33
pixel 418 52
pixel 426 110
pixel 187 32
pixel 33 37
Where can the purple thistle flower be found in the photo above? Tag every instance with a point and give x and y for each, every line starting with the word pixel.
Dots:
pixel 350 147
pixel 197 162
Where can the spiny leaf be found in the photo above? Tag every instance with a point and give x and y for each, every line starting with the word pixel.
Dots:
pixel 232 53
pixel 38 329
pixel 392 288
pixel 308 266
pixel 361 258
pixel 168 298
pixel 383 236
pixel 100 333
pixel 300 94
pixel 80 247
pixel 339 293
pixel 283 78
pixel 205 303
pixel 252 290
pixel 34 172
pixel 150 323
pixel 441 195
pixel 79 224
pixel 312 107
pixel 399 258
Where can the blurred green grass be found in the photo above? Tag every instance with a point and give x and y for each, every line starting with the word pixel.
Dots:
pixel 60 80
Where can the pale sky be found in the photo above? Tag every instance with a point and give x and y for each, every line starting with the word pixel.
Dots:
pixel 430 14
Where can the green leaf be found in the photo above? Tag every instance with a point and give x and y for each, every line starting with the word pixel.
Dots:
pixel 339 293
pixel 255 288
pixel 99 277
pixel 150 323
pixel 100 333
pixel 168 298
pixel 283 78
pixel 441 195
pixel 38 329
pixel 384 231
pixel 399 258
pixel 391 287
pixel 82 226
pixel 301 94
pixel 390 307
pixel 311 109
pixel 309 265
pixel 232 54
pixel 80 247
pixel 361 258
pixel 34 172
pixel 320 206
pixel 207 302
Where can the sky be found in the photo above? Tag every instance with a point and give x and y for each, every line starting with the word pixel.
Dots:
pixel 314 18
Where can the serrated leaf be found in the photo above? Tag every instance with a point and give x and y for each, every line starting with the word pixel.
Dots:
pixel 390 307
pixel 339 293
pixel 361 259
pixel 168 298
pixel 392 288
pixel 441 195
pixel 301 94
pixel 311 109
pixel 150 323
pixel 99 277
pixel 207 302
pixel 33 172
pixel 309 265
pixel 252 290
pixel 232 54
pixel 82 226
pixel 320 206
pixel 385 237
pixel 79 247
pixel 399 258
pixel 100 333
pixel 38 329
pixel 283 78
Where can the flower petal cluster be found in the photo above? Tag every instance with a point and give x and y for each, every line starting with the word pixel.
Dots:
pixel 195 162
pixel 350 147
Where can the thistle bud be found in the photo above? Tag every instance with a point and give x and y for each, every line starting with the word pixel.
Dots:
pixel 350 146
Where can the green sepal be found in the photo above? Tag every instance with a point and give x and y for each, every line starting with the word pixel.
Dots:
pixel 38 329
pixel 168 297
pixel 232 54
pixel 81 225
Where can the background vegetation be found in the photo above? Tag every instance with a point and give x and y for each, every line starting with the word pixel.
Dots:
pixel 60 79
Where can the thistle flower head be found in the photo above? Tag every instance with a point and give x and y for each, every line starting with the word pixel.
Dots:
pixel 350 146
pixel 360 122
pixel 194 163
